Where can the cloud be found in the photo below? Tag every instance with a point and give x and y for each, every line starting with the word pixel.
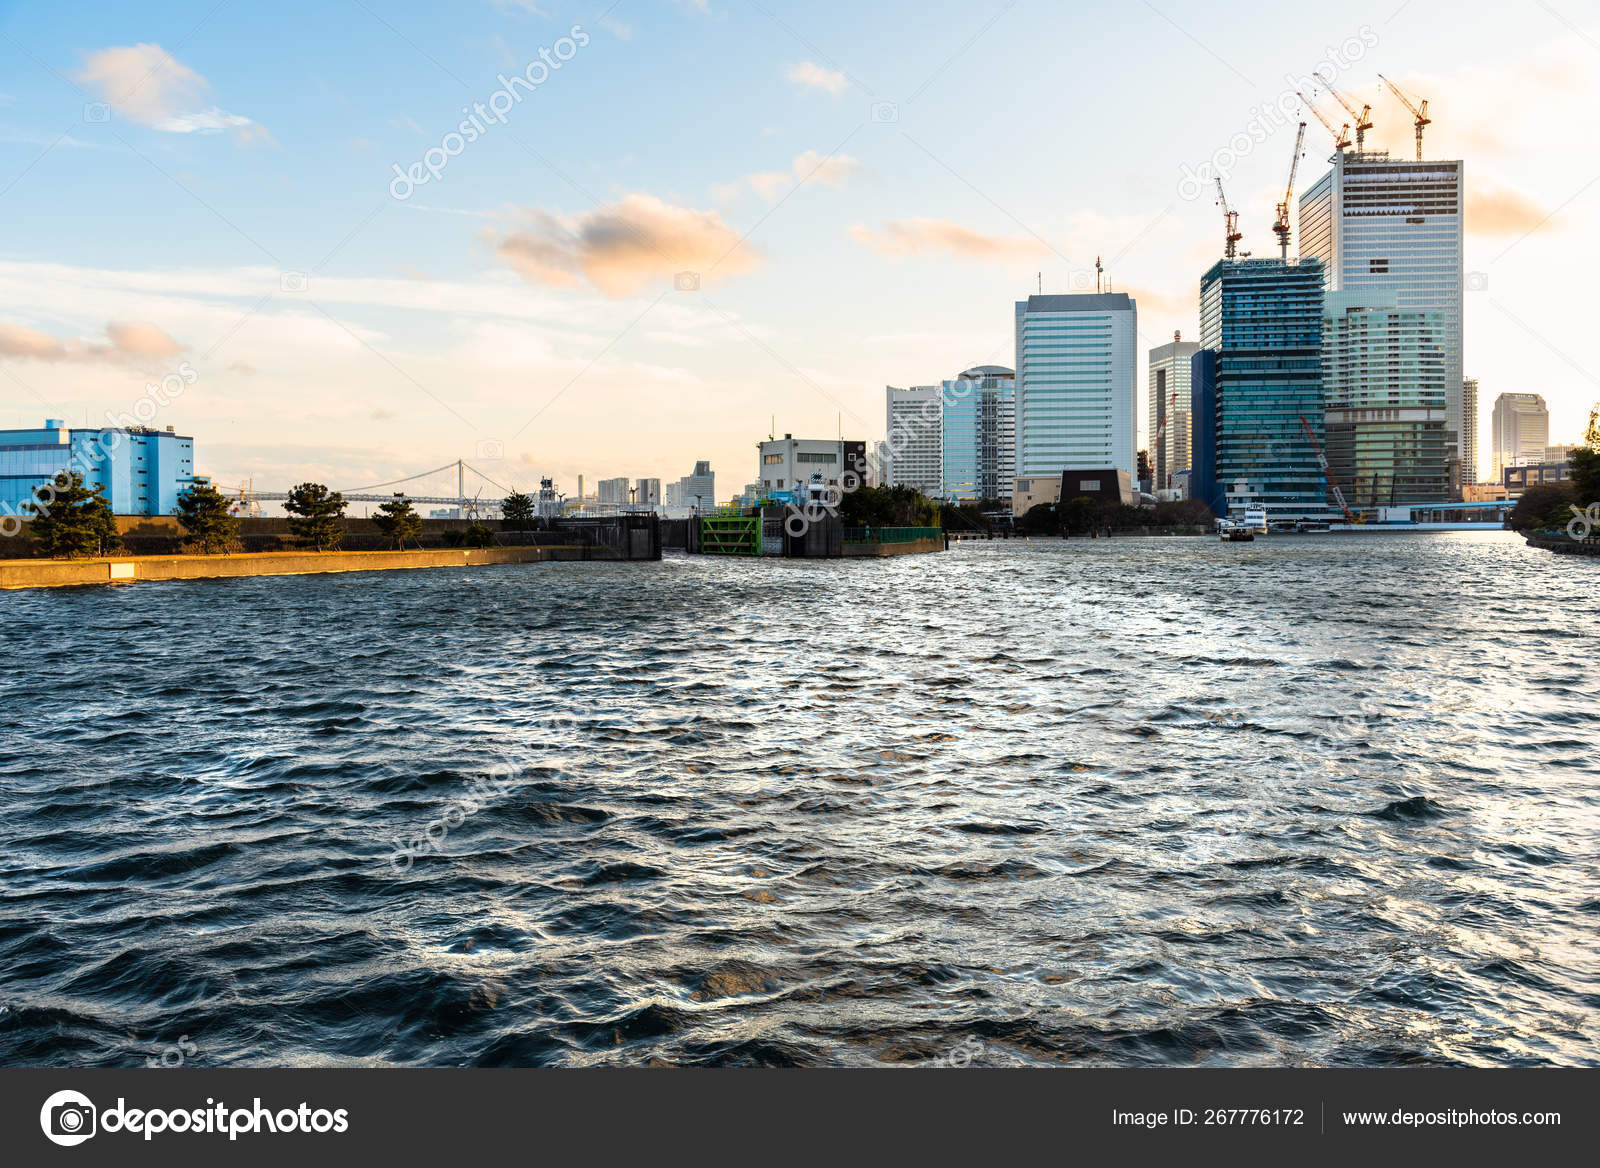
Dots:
pixel 18 341
pixel 831 169
pixel 127 341
pixel 810 75
pixel 148 85
pixel 903 237
pixel 623 32
pixel 620 248
pixel 1493 210
pixel 141 339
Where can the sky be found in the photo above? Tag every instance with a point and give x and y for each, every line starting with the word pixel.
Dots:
pixel 678 224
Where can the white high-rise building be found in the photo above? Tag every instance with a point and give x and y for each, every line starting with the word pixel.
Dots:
pixel 1077 376
pixel 915 428
pixel 1395 224
pixel 1167 428
pixel 1521 430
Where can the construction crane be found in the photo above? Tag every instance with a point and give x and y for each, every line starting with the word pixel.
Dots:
pixel 1363 119
pixel 1341 136
pixel 1282 225
pixel 1231 233
pixel 1420 115
pixel 1322 461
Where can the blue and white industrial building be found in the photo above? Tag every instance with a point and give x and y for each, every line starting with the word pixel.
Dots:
pixel 142 471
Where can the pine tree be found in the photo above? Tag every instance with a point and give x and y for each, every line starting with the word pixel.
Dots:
pixel 1585 463
pixel 316 515
pixel 74 521
pixel 517 511
pixel 204 512
pixel 399 521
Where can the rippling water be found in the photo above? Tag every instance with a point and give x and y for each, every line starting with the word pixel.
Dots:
pixel 1321 800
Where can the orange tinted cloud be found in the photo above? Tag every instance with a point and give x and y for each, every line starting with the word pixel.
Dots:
pixel 621 248
pixel 1502 211
pixel 132 341
pixel 903 237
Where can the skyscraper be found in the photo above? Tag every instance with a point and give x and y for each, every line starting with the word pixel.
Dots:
pixel 1076 383
pixel 1469 430
pixel 1395 224
pixel 979 443
pixel 1168 425
pixel 914 420
pixel 1384 388
pixel 1203 429
pixel 1263 319
pixel 1520 430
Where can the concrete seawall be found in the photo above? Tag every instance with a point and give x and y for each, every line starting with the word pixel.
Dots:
pixel 128 569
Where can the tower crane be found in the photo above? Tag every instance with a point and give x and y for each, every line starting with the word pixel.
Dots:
pixel 1230 217
pixel 1363 119
pixel 1282 225
pixel 1419 115
pixel 1322 461
pixel 1341 137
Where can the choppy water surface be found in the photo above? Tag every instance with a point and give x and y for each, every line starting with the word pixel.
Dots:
pixel 1328 800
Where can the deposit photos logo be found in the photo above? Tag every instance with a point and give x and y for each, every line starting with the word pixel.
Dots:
pixel 68 1118
pixel 482 115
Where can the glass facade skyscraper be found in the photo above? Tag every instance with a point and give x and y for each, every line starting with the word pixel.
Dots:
pixel 1203 431
pixel 1167 425
pixel 1395 225
pixel 1076 383
pixel 1263 320
pixel 979 433
pixel 1383 383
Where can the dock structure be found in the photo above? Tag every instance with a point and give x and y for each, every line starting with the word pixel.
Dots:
pixel 794 533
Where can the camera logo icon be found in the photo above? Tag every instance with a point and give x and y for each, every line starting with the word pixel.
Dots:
pixel 491 450
pixel 97 111
pixel 686 281
pixel 68 1118
pixel 885 111
pixel 292 282
pixel 1477 281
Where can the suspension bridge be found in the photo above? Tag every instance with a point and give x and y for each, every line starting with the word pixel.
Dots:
pixel 467 506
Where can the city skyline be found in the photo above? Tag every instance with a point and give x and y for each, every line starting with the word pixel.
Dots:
pixel 854 218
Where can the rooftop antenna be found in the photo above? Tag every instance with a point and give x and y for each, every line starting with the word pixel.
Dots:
pixel 1098 268
pixel 772 431
pixel 1041 283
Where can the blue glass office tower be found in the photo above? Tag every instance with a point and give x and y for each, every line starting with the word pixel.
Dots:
pixel 979 447
pixel 1263 320
pixel 143 471
pixel 1203 419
